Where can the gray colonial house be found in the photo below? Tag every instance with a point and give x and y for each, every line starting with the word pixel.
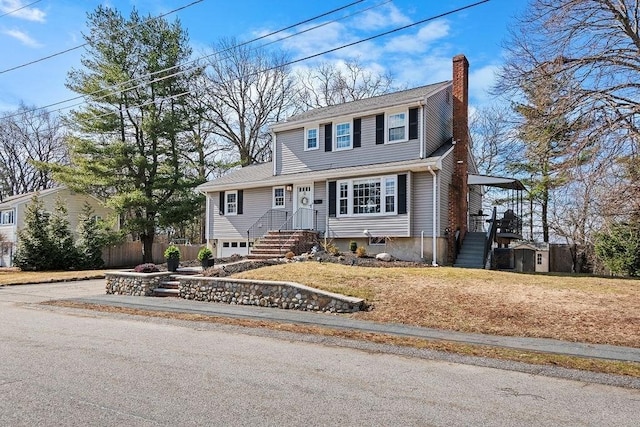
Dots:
pixel 388 172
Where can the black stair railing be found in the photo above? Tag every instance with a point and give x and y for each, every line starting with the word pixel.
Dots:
pixel 271 220
pixel 490 236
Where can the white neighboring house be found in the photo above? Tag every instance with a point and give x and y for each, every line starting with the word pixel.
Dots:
pixel 12 210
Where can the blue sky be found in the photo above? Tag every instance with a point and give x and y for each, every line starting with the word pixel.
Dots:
pixel 415 56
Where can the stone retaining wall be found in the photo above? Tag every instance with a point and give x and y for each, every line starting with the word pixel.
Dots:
pixel 131 283
pixel 264 293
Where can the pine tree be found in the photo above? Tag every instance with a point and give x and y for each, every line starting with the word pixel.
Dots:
pixel 35 248
pixel 90 239
pixel 64 254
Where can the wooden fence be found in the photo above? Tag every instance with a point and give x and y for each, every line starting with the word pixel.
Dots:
pixel 129 254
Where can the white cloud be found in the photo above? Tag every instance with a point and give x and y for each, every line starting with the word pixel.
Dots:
pixel 385 16
pixel 23 37
pixel 419 42
pixel 481 81
pixel 17 9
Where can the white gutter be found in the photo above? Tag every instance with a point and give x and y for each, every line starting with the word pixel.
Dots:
pixel 434 260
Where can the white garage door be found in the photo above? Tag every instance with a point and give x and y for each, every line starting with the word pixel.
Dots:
pixel 228 248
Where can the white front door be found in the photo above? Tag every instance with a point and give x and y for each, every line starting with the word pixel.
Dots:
pixel 303 207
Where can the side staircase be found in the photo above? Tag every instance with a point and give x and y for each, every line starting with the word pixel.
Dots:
pixel 169 286
pixel 472 251
pixel 275 244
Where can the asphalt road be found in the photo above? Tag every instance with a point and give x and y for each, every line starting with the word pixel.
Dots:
pixel 70 367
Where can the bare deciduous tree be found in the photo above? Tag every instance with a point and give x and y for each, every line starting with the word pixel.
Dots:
pixel 597 43
pixel 336 83
pixel 245 91
pixel 29 136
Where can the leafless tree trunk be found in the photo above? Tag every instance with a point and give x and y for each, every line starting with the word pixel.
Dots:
pixel 26 137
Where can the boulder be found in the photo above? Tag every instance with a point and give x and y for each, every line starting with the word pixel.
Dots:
pixel 384 257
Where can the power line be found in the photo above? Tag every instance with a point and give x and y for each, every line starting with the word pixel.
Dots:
pixel 422 21
pixel 20 8
pixel 53 55
pixel 119 85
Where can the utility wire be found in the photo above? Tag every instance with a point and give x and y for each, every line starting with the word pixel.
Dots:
pixel 119 85
pixel 179 95
pixel 53 55
pixel 20 8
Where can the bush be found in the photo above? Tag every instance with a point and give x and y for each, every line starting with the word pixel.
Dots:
pixel 353 246
pixel 146 268
pixel 619 248
pixel 361 252
pixel 172 252
pixel 204 253
pixel 289 255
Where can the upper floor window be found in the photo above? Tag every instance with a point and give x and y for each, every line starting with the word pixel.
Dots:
pixel 6 217
pixel 231 202
pixel 343 136
pixel 397 127
pixel 278 197
pixel 311 139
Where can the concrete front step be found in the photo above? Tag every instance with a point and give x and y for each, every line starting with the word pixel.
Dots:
pixel 165 292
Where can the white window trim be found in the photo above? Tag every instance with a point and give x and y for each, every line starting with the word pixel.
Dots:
pixel 306 138
pixel 226 203
pixel 406 126
pixel 335 136
pixel 10 213
pixel 383 195
pixel 273 198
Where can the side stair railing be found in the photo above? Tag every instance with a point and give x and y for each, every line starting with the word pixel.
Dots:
pixel 490 236
pixel 302 219
pixel 271 220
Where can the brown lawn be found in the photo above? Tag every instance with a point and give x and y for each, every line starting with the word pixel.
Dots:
pixel 574 308
pixel 13 276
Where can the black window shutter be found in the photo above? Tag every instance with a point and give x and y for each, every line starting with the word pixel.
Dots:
pixel 222 202
pixel 239 202
pixel 402 194
pixel 380 129
pixel 332 199
pixel 328 138
pixel 357 130
pixel 413 123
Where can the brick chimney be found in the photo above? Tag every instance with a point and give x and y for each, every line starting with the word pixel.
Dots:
pixel 458 205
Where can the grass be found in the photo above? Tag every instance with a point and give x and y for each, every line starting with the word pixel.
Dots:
pixel 11 276
pixel 572 308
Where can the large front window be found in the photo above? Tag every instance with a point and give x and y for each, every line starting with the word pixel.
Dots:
pixel 343 136
pixel 371 196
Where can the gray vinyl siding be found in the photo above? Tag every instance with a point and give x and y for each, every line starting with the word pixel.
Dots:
pixel 445 187
pixel 378 226
pixel 422 204
pixel 475 199
pixel 292 158
pixel 438 119
pixel 320 192
pixel 256 202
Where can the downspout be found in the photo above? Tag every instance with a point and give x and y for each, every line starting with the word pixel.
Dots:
pixel 434 261
pixel 421 129
pixel 274 153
